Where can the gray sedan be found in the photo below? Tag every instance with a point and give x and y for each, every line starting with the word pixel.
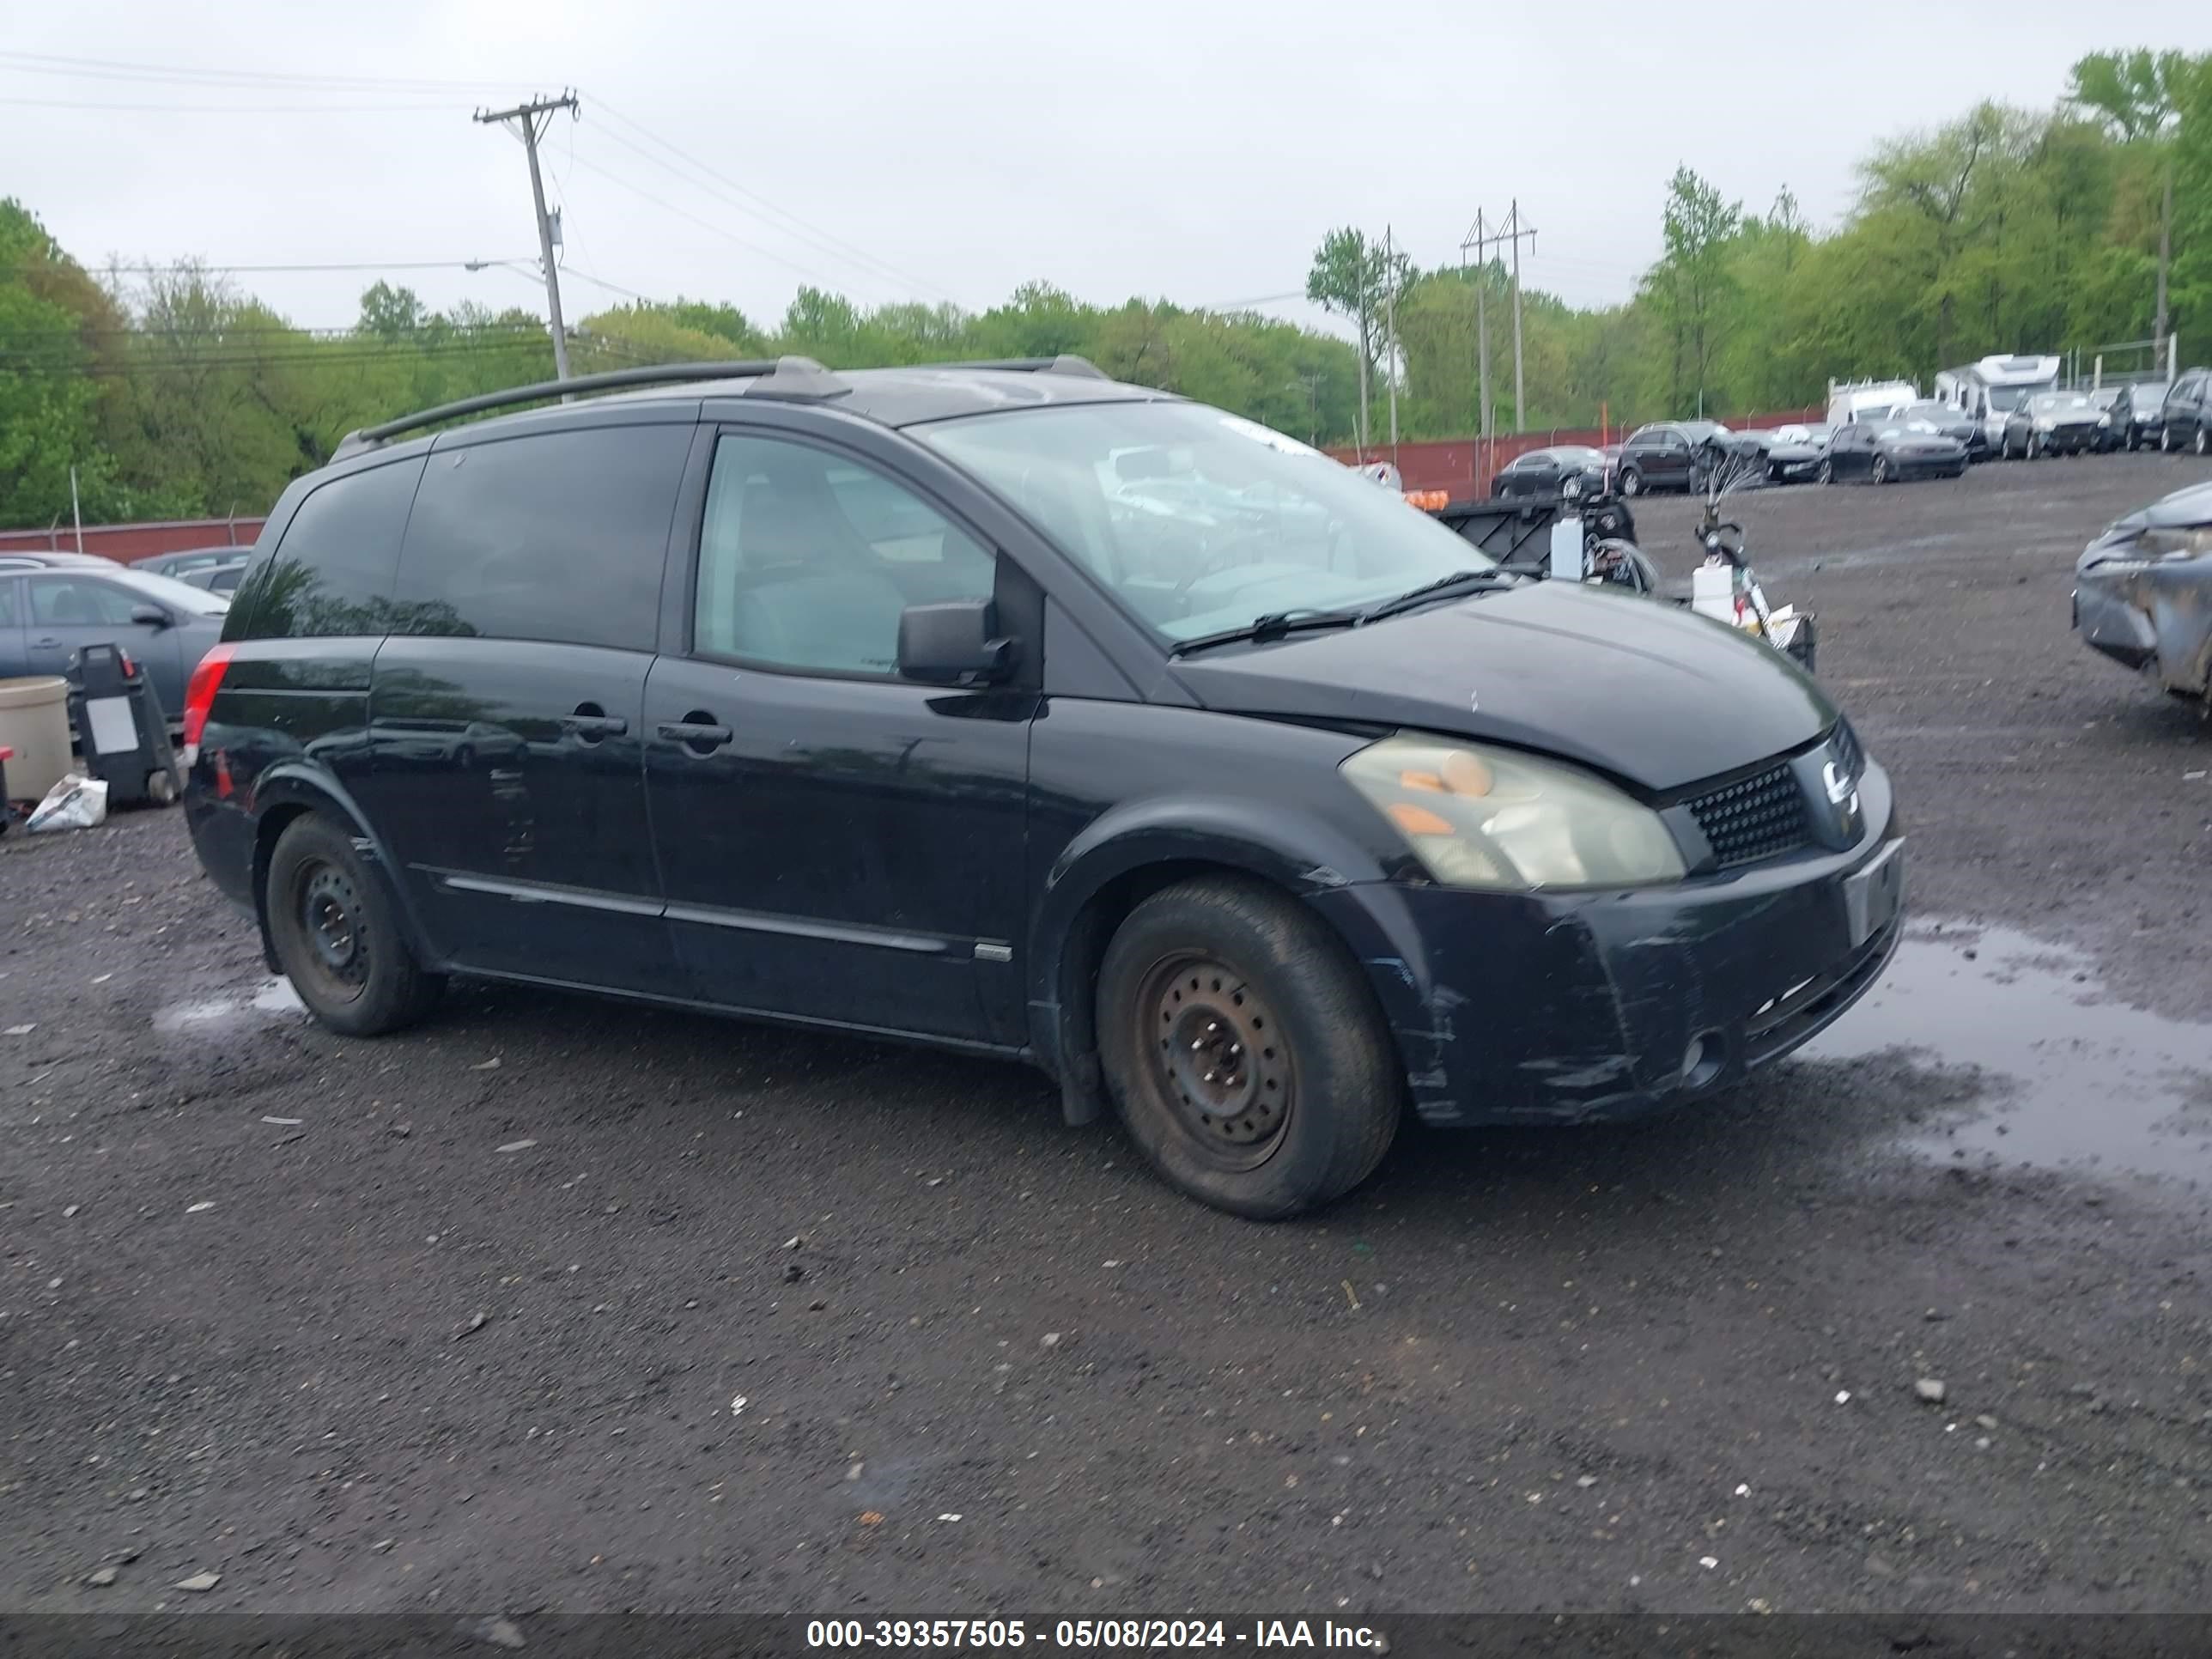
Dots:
pixel 164 624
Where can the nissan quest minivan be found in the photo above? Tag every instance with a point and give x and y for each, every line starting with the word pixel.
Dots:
pixel 1008 709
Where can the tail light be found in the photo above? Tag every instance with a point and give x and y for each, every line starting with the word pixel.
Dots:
pixel 199 691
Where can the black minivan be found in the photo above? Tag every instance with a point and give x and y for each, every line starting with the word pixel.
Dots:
pixel 1006 708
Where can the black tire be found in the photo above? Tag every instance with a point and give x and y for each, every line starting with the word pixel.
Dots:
pixel 1226 974
pixel 337 934
pixel 1632 482
pixel 2204 442
pixel 162 786
pixel 2166 440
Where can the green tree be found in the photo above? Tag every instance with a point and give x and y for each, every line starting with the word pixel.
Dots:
pixel 1360 280
pixel 1692 288
pixel 2137 94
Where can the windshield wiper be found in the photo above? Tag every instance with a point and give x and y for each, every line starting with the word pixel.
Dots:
pixel 1272 626
pixel 1444 588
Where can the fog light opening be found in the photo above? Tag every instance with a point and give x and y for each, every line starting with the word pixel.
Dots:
pixel 1703 1060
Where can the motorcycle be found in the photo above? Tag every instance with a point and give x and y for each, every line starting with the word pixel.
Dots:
pixel 1592 538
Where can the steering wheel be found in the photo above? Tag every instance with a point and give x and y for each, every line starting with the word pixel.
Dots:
pixel 1218 558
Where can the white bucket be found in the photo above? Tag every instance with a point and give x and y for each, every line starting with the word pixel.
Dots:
pixel 34 723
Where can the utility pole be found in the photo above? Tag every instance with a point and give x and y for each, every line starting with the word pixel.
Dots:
pixel 1390 328
pixel 531 121
pixel 1478 240
pixel 1512 231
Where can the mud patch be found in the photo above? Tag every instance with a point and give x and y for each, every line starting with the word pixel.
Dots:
pixel 2075 1081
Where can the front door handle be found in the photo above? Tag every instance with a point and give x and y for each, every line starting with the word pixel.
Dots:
pixel 698 733
pixel 590 723
pixel 47 644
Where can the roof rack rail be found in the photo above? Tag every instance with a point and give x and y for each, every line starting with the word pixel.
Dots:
pixel 1063 364
pixel 786 377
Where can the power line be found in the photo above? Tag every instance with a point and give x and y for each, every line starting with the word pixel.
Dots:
pixel 230 109
pixel 823 241
pixel 111 68
pixel 708 224
pixel 197 265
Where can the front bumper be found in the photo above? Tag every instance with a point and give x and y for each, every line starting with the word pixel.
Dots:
pixel 2070 440
pixel 1529 1008
pixel 2155 620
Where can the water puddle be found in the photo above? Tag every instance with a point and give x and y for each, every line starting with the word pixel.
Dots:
pixel 2074 1082
pixel 267 1000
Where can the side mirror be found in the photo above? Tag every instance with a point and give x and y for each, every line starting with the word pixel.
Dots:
pixel 151 615
pixel 955 643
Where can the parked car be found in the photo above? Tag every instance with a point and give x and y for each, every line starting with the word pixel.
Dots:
pixel 2054 424
pixel 49 611
pixel 2143 593
pixel 2139 414
pixel 221 578
pixel 1546 473
pixel 2185 417
pixel 1950 422
pixel 1889 451
pixel 198 558
pixel 887 737
pixel 1793 453
pixel 1666 455
pixel 41 560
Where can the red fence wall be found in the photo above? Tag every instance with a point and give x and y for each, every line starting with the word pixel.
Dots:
pixel 127 542
pixel 1463 467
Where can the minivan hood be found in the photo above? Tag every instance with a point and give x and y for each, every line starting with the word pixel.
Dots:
pixel 1644 691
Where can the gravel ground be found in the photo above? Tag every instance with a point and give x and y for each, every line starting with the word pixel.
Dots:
pixel 556 1306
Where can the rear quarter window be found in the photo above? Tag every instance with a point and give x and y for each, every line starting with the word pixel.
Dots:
pixel 554 536
pixel 332 573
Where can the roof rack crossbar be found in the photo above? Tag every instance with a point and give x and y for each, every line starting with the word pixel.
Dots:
pixel 1063 364
pixel 545 391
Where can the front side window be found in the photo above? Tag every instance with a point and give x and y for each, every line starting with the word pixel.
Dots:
pixel 6 601
pixel 807 558
pixel 1198 521
pixel 554 536
pixel 67 602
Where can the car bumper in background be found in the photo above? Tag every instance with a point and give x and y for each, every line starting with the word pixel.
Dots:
pixel 1528 1008
pixel 2070 440
pixel 2154 619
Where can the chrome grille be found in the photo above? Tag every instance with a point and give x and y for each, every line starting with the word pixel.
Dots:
pixel 1758 817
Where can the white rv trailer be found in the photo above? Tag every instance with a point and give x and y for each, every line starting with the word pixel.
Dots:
pixel 1992 388
pixel 1865 400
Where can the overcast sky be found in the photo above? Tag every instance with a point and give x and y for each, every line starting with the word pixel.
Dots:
pixel 953 149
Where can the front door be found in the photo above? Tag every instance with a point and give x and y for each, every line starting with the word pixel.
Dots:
pixel 507 709
pixel 837 844
pixel 68 612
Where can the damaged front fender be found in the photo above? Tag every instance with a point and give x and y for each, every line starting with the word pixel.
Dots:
pixel 2143 593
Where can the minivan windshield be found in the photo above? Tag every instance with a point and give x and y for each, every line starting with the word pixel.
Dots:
pixel 1198 521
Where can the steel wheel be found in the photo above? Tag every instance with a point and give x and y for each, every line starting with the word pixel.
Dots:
pixel 326 911
pixel 1218 1060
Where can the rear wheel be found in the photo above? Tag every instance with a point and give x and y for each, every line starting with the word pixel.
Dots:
pixel 1243 1050
pixel 337 935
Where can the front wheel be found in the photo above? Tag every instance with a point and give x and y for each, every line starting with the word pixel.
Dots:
pixel 1632 482
pixel 2165 442
pixel 1827 474
pixel 2203 440
pixel 337 934
pixel 1881 468
pixel 1243 1051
